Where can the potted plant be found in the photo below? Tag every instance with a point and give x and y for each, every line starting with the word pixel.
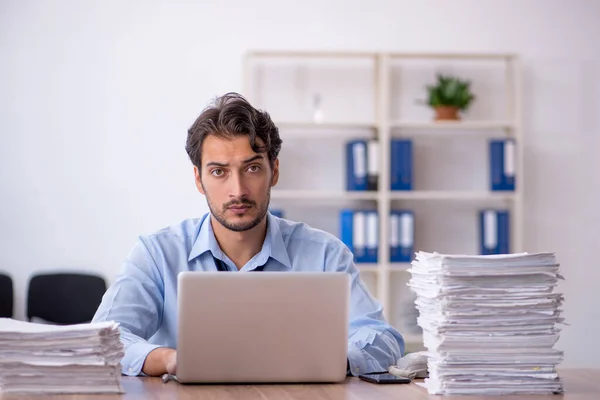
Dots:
pixel 449 96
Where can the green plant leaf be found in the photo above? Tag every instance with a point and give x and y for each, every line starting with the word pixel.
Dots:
pixel 450 91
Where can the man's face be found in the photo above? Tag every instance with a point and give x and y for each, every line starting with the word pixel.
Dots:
pixel 236 181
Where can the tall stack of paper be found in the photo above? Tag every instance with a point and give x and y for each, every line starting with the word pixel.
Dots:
pixel 489 322
pixel 36 358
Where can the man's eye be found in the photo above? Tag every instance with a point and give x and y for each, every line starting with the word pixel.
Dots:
pixel 254 168
pixel 217 172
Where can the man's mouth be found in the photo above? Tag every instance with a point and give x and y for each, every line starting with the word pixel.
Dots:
pixel 239 207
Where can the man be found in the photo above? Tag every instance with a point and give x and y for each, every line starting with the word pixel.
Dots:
pixel 234 149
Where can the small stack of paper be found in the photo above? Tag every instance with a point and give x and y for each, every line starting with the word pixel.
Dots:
pixel 38 358
pixel 489 322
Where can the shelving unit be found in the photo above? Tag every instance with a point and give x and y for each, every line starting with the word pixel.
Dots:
pixel 321 195
pixel 325 125
pixel 448 195
pixel 384 126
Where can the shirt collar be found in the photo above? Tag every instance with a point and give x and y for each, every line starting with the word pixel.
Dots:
pixel 273 246
pixel 274 238
pixel 205 240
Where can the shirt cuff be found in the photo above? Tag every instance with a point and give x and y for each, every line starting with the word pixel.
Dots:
pixel 134 357
pixel 359 363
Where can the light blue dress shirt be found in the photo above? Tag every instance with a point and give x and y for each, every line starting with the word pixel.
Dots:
pixel 143 298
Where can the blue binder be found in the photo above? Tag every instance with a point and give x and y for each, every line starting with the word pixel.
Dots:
pixel 372 236
pixel 502 165
pixel 401 164
pixel 372 164
pixel 356 165
pixel 346 231
pixel 402 235
pixel 353 231
pixel 494 232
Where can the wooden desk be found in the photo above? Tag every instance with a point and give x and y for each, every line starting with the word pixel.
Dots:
pixel 580 384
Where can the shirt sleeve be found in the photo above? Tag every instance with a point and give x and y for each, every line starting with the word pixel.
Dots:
pixel 135 300
pixel 373 345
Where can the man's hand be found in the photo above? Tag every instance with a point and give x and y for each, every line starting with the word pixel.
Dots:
pixel 160 361
pixel 172 362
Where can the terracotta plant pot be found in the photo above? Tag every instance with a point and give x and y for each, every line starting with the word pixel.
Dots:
pixel 446 113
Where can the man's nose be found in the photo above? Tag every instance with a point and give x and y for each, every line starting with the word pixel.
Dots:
pixel 238 186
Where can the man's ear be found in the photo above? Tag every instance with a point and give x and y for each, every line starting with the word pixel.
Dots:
pixel 198 180
pixel 275 178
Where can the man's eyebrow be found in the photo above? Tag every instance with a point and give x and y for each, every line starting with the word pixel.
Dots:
pixel 249 160
pixel 216 164
pixel 256 157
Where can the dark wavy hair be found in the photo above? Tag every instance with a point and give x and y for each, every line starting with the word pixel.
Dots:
pixel 232 115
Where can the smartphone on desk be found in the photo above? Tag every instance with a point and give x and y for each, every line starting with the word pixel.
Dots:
pixel 384 378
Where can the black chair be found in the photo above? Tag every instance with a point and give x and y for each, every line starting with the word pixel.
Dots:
pixel 6 296
pixel 64 298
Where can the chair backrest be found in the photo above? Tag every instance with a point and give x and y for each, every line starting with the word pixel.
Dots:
pixel 6 296
pixel 64 298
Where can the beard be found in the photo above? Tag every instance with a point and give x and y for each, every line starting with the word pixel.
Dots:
pixel 234 224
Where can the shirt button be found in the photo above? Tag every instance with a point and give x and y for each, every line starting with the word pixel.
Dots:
pixel 130 369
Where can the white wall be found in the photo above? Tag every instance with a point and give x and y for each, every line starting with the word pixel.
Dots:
pixel 96 98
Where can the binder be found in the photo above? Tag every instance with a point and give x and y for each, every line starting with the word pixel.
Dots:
pixel 401 235
pixel 354 233
pixel 356 165
pixel 346 231
pixel 372 236
pixel 401 164
pixel 359 236
pixel 494 232
pixel 509 164
pixel 359 231
pixel 372 165
pixel 502 164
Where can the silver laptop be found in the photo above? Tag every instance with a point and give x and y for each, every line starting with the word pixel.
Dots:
pixel 253 327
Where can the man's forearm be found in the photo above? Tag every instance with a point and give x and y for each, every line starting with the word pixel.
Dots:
pixel 377 356
pixel 158 362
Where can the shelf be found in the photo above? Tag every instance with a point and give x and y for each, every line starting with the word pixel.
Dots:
pixel 453 125
pixel 454 195
pixel 315 126
pixel 464 56
pixel 321 195
pixel 394 267
pixel 399 267
pixel 364 54
pixel 418 125
pixel 367 267
pixel 311 54
pixel 451 195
